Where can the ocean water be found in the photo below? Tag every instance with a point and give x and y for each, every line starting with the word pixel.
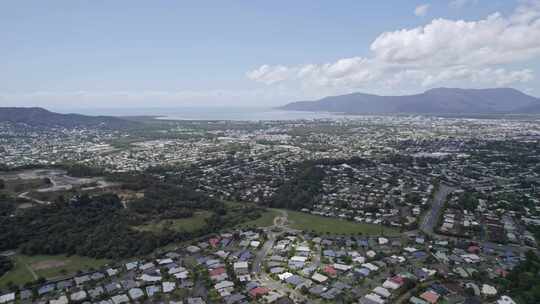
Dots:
pixel 211 113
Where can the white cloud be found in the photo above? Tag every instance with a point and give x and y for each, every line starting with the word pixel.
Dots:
pixel 269 74
pixel 493 40
pixel 421 10
pixel 441 53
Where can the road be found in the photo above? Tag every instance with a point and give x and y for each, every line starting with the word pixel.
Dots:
pixel 432 216
pixel 257 270
pixel 431 219
pixel 279 222
pixel 263 252
pixel 25 196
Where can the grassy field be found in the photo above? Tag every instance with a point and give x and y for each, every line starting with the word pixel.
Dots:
pixel 193 223
pixel 28 268
pixel 20 274
pixel 322 225
pixel 266 219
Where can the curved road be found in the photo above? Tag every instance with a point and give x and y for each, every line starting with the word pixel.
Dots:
pixel 257 269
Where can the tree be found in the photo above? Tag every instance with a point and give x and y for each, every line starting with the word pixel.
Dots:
pixel 523 282
pixel 5 265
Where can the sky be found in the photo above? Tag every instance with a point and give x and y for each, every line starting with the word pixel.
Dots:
pixel 118 54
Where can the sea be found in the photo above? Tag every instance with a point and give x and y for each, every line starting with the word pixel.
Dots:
pixel 211 113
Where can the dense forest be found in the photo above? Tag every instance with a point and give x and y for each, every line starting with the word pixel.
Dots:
pixel 302 190
pixel 7 207
pixel 305 187
pixel 523 281
pixel 96 227
pixel 81 170
pixel 5 265
pixel 100 226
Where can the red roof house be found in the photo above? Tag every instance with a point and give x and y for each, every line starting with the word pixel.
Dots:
pixel 217 271
pixel 329 270
pixel 398 280
pixel 258 291
pixel 430 296
pixel 213 242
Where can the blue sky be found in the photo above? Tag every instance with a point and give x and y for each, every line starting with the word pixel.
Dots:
pixel 81 54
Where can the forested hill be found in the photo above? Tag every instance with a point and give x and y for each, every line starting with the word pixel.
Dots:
pixel 39 117
pixel 435 101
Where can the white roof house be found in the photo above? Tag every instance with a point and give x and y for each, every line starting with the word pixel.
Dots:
pixel 112 272
pixel 176 270
pixel 390 285
pixel 78 296
pixel 383 292
pixel 375 298
pixel 131 265
pixel 240 265
pixel 193 249
pixel 319 278
pixel 164 261
pixel 181 275
pixel 136 293
pixel 370 266
pixel 223 285
pixel 488 290
pixel 342 267
pixel 168 286
pixel 299 259
pixel 359 259
pixel 471 258
pixel 8 297
pixel 303 249
pixel 147 266
pixel 119 299
pixel 150 278
pixel 61 300
pixel 410 249
pixel 505 300
pixel 285 276
pixel 383 241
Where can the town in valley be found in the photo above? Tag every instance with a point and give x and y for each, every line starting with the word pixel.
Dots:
pixel 372 209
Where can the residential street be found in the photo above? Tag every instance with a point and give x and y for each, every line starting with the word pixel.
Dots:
pixel 258 271
pixel 430 219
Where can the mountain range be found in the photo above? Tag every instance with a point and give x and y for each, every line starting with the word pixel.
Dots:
pixel 36 117
pixel 434 101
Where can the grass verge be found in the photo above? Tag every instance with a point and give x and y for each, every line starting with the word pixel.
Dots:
pixel 266 219
pixel 329 225
pixel 29 268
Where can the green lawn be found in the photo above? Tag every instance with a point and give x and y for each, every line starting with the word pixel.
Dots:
pixel 321 225
pixel 266 219
pixel 27 268
pixel 193 223
pixel 19 275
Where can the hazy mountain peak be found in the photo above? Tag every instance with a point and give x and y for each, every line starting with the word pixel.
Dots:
pixel 35 116
pixel 435 101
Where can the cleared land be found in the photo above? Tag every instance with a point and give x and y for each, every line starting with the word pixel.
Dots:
pixel 323 225
pixel 197 221
pixel 29 268
pixel 21 185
